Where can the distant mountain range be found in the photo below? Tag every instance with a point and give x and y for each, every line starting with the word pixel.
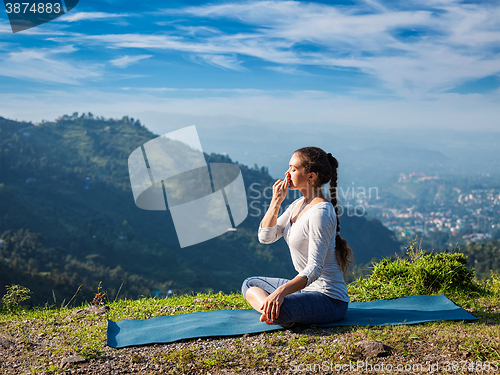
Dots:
pixel 367 156
pixel 68 218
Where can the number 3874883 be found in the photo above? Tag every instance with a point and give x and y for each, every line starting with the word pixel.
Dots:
pixel 33 7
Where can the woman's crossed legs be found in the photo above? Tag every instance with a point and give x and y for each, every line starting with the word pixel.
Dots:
pixel 306 307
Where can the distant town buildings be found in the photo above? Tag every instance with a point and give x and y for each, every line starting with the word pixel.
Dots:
pixel 472 215
pixel 415 177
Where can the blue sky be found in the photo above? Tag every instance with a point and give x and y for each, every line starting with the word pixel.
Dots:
pixel 431 64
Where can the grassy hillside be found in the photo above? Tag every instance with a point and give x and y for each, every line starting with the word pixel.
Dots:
pixel 68 219
pixel 38 340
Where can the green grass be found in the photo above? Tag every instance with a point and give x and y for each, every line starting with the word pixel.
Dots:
pixel 61 334
pixel 64 335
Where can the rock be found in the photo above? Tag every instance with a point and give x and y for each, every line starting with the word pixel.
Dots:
pixel 73 360
pixel 372 349
pixel 99 310
pixel 6 342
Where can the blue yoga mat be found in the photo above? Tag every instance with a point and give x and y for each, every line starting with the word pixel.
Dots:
pixel 165 329
pixel 403 310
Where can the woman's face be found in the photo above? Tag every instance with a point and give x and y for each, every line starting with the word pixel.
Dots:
pixel 297 179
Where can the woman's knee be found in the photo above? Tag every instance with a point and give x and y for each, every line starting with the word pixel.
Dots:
pixel 247 284
pixel 268 284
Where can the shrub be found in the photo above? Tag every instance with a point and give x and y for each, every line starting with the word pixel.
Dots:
pixel 493 283
pixel 442 273
pixel 99 296
pixel 14 296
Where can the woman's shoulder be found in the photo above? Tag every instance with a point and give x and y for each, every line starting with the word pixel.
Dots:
pixel 324 205
pixel 323 209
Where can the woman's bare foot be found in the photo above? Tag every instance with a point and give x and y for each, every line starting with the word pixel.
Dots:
pixel 263 318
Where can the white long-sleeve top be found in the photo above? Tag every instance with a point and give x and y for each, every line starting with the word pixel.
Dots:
pixel 311 240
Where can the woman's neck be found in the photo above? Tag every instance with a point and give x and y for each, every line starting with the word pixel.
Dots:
pixel 310 194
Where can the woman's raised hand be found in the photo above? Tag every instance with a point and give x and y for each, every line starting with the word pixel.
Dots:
pixel 280 189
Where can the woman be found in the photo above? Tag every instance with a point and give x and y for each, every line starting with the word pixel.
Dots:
pixel 310 226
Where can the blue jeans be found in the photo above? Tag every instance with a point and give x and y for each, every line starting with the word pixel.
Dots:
pixel 303 307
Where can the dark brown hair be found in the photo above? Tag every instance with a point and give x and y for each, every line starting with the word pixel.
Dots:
pixel 325 166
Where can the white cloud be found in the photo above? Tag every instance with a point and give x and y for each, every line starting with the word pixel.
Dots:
pixel 195 30
pixel 228 62
pixel 456 47
pixel 89 16
pixel 50 71
pixel 39 53
pixel 288 70
pixel 5 28
pixel 453 43
pixel 124 61
pixel 459 44
pixel 205 90
pixel 376 5
pixel 154 89
pixel 472 25
pixel 46 65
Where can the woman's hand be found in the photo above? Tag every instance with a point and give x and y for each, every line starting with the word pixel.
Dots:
pixel 280 189
pixel 271 306
pixel 279 193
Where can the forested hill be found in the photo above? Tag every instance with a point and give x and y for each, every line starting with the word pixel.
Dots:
pixel 68 218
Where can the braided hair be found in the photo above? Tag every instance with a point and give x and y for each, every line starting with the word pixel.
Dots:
pixel 325 166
